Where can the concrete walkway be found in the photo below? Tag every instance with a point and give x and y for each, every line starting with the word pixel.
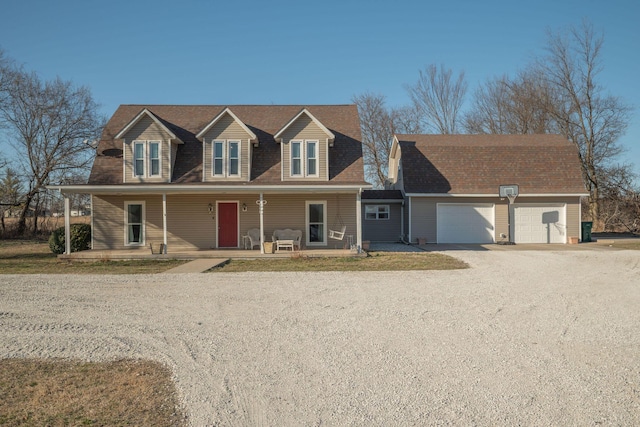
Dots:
pixel 197 265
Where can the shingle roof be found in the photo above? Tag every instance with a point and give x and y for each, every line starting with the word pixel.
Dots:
pixel 185 121
pixel 479 164
pixel 382 195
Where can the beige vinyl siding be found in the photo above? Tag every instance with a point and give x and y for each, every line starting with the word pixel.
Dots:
pixel 304 129
pixel 226 129
pixel 147 130
pixel 424 212
pixel 109 221
pixel 190 226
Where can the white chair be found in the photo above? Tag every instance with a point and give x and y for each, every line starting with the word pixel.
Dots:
pixel 254 237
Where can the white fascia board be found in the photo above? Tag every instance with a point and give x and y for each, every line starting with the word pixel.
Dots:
pixel 252 136
pixel 195 189
pixel 133 122
pixel 330 135
pixel 496 195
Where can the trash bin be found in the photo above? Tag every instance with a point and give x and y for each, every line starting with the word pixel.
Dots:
pixel 586 230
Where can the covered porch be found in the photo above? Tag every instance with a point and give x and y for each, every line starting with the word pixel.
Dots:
pixel 139 254
pixel 189 220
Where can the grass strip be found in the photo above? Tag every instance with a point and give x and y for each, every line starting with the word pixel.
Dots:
pixel 376 261
pixel 61 393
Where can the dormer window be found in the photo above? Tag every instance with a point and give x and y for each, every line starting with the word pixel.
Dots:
pixel 146 156
pixel 304 158
pixel 226 158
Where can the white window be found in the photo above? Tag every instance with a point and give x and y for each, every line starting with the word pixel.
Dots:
pixel 304 158
pixel 134 223
pixel 218 158
pixel 316 223
pixel 226 158
pixel 376 212
pixel 296 158
pixel 154 158
pixel 312 158
pixel 146 159
pixel 234 158
pixel 138 156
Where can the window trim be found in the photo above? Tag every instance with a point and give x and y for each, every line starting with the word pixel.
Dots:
pixel 300 158
pixel 225 158
pixel 304 158
pixel 308 223
pixel 143 236
pixel 147 161
pixel 377 212
pixel 316 144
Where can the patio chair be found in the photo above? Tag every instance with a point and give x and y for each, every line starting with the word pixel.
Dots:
pixel 254 237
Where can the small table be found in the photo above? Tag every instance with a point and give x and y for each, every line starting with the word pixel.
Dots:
pixel 246 241
pixel 284 244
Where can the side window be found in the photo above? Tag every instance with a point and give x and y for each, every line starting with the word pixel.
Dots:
pixel 312 158
pixel 316 223
pixel 296 158
pixel 138 158
pixel 376 212
pixel 218 157
pixel 154 158
pixel 134 223
pixel 234 158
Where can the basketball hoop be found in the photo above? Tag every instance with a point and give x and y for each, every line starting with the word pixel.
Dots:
pixel 510 192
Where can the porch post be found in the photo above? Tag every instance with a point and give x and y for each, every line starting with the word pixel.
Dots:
pixel 164 221
pixel 67 226
pixel 261 210
pixel 359 220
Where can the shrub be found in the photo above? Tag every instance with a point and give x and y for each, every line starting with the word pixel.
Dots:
pixel 80 238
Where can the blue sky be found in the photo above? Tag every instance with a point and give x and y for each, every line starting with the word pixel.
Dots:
pixel 294 52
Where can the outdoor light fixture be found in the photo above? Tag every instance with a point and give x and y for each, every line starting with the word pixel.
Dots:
pixel 210 208
pixel 244 207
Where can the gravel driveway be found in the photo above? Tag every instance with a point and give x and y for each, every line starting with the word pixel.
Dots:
pixel 522 337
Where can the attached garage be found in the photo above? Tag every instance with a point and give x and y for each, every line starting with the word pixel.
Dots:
pixel 539 223
pixel 466 222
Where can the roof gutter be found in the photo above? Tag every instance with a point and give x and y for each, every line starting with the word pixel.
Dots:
pixel 496 195
pixel 199 189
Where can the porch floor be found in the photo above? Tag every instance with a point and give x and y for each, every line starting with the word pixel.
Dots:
pixel 112 255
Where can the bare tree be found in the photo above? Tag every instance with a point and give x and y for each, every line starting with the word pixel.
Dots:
pixel 439 97
pixel 378 124
pixel 377 136
pixel 10 195
pixel 48 122
pixel 587 116
pixel 517 105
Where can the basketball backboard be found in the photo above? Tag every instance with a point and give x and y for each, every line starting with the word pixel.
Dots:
pixel 508 190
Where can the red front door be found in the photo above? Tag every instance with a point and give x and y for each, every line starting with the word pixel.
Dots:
pixel 228 225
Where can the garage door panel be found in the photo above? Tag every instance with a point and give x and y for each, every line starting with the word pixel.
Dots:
pixel 465 223
pixel 539 224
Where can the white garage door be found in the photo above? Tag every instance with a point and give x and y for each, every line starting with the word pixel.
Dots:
pixel 465 223
pixel 539 224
